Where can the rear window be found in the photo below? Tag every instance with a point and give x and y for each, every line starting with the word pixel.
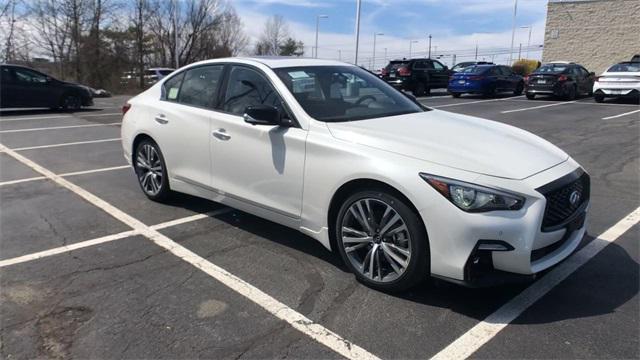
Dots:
pixel 625 67
pixel 551 69
pixel 396 64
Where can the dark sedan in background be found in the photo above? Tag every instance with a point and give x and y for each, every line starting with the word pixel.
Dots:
pixel 560 79
pixel 487 80
pixel 22 87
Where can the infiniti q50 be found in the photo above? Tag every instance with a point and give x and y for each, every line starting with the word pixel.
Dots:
pixel 401 191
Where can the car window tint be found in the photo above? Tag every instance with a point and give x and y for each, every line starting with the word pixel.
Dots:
pixel 171 88
pixel 418 65
pixel 428 64
pixel 28 76
pixel 6 76
pixel 248 87
pixel 200 86
pixel 437 65
pixel 506 70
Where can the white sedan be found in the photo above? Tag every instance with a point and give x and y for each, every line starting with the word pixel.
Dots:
pixel 622 79
pixel 400 190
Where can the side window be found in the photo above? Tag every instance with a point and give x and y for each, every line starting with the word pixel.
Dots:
pixel 428 64
pixel 28 76
pixel 495 71
pixel 171 88
pixel 437 65
pixel 200 86
pixel 248 87
pixel 584 72
pixel 6 75
pixel 506 71
pixel 419 65
pixel 575 71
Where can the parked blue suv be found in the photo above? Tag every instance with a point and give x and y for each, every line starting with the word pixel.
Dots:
pixel 487 80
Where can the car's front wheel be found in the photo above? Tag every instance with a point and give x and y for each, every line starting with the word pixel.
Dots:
pixel 382 240
pixel 531 96
pixel 151 170
pixel 71 102
pixel 598 97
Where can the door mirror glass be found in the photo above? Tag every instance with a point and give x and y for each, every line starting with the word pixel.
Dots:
pixel 262 115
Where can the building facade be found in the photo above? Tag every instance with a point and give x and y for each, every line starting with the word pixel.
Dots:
pixel 594 33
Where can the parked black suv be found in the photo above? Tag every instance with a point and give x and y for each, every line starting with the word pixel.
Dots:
pixel 561 79
pixel 416 75
pixel 22 87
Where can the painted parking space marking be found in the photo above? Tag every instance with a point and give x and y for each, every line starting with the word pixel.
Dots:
pixel 65 144
pixel 278 309
pixel 472 102
pixel 37 118
pixel 57 128
pixel 620 115
pixel 538 107
pixel 108 238
pixel 480 334
pixel 75 173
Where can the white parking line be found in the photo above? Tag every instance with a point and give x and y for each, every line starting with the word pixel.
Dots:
pixel 11 182
pixel 108 238
pixel 476 337
pixel 57 128
pixel 303 324
pixel 64 144
pixel 80 115
pixel 538 107
pixel 471 102
pixel 620 115
pixel 36 118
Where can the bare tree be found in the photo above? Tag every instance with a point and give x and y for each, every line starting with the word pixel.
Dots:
pixel 52 30
pixel 275 33
pixel 139 24
pixel 230 34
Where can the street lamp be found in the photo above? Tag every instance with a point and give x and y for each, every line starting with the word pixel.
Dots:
pixel 318 17
pixel 375 35
pixel 411 42
pixel 429 56
pixel 528 41
pixel 358 7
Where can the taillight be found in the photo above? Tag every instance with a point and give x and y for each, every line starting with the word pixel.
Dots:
pixel 476 77
pixel 404 71
pixel 384 72
pixel 125 108
pixel 563 78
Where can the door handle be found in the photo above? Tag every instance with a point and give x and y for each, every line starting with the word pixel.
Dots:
pixel 221 134
pixel 161 119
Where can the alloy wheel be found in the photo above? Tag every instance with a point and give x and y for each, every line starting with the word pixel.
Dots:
pixel 376 240
pixel 149 168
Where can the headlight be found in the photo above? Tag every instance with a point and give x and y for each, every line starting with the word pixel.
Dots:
pixel 473 198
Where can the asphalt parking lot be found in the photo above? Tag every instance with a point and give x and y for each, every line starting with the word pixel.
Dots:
pixel 89 268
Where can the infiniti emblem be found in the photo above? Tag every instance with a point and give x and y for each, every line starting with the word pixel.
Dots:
pixel 574 198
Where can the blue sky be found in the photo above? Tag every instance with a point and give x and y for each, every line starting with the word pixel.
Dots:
pixel 456 25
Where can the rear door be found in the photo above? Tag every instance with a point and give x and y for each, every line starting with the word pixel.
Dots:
pixel 439 74
pixel 510 79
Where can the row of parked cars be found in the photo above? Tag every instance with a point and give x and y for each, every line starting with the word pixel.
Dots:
pixel 561 79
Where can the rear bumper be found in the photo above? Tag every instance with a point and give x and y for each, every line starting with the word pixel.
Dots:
pixel 467 87
pixel 399 83
pixel 554 89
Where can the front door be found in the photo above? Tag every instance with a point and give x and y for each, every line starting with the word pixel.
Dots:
pixel 258 164
pixel 33 89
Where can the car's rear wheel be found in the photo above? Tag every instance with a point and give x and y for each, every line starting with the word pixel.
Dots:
pixel 151 170
pixel 531 96
pixel 519 89
pixel 382 240
pixel 71 102
pixel 419 90
pixel 598 97
pixel 572 93
pixel 456 94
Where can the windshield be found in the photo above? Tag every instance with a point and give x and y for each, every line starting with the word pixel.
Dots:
pixel 344 93
pixel 551 69
pixel 625 67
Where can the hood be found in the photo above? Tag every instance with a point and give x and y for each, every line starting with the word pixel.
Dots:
pixel 458 141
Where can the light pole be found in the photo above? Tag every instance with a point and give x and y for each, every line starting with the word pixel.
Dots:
pixel 429 56
pixel 513 31
pixel 375 35
pixel 528 41
pixel 318 17
pixel 411 42
pixel 358 6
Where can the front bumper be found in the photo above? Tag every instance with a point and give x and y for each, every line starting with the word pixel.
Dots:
pixel 455 252
pixel 614 90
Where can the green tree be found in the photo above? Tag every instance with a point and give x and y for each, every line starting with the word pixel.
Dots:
pixel 291 47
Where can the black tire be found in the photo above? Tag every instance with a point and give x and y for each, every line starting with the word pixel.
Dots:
pixel 419 90
pixel 531 96
pixel 163 191
pixel 70 102
pixel 572 93
pixel 456 94
pixel 519 89
pixel 417 267
pixel 598 97
pixel 490 92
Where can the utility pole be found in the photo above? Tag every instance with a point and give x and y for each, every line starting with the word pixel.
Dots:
pixel 429 56
pixel 528 41
pixel 453 60
pixel 476 51
pixel 318 17
pixel 358 7
pixel 513 30
pixel 339 55
pixel 374 49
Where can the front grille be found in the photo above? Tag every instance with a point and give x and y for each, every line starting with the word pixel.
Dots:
pixel 560 209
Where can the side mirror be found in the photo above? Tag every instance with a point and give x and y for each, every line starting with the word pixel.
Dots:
pixel 262 115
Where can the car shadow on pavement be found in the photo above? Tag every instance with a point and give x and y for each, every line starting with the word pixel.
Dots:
pixel 16 112
pixel 476 303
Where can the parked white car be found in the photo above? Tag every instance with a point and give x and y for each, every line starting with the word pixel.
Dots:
pixel 400 190
pixel 622 79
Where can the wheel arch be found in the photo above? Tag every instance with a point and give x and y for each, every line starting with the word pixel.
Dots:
pixel 348 188
pixel 137 139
